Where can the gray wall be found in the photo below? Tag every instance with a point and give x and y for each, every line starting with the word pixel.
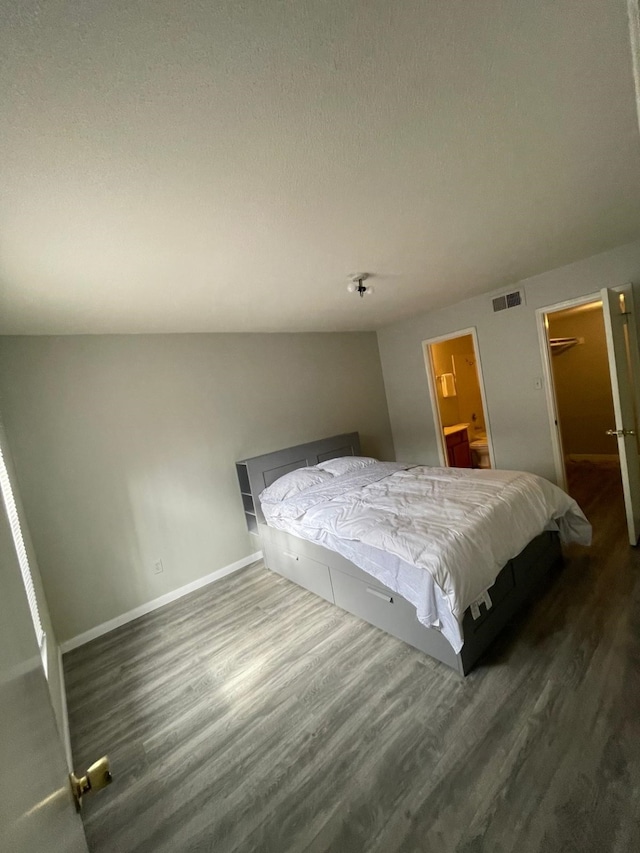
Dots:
pixel 511 361
pixel 124 449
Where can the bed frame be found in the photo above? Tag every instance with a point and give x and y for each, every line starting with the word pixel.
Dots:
pixel 339 581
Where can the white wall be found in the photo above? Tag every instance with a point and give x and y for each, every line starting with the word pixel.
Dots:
pixel 124 448
pixel 511 361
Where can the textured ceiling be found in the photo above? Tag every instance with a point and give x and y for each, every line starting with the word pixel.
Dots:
pixel 223 166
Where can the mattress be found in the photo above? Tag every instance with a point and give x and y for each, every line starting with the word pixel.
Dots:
pixel 439 537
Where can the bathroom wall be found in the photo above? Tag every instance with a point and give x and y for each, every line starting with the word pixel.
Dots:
pixel 449 406
pixel 582 383
pixel 469 388
pixel 457 356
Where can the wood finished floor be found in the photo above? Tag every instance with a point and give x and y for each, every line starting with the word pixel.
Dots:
pixel 253 716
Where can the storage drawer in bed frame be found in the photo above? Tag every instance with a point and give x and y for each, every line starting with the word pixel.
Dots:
pixel 380 606
pixel 299 568
pixel 337 580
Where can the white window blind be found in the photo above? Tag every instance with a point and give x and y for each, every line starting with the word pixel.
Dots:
pixel 18 541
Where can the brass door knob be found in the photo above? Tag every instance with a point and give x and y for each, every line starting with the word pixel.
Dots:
pixel 97 777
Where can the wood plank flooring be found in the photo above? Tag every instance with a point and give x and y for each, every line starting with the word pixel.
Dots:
pixel 253 716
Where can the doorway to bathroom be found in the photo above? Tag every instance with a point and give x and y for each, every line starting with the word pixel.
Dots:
pixel 592 370
pixel 458 400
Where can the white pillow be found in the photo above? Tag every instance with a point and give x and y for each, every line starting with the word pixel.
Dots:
pixel 345 464
pixel 292 483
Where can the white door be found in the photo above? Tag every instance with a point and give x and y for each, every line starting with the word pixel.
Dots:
pixel 37 812
pixel 622 350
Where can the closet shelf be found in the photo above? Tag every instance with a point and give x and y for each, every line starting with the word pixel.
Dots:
pixel 559 345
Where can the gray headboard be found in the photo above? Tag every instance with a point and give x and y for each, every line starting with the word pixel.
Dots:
pixel 257 473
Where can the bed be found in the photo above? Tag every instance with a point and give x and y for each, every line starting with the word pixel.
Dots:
pixel 435 557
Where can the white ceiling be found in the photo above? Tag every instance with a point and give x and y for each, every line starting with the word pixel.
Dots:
pixel 223 166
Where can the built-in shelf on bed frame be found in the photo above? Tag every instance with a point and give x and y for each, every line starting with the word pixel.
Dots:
pixel 339 581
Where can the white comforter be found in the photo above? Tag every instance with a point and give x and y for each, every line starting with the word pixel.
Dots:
pixel 445 533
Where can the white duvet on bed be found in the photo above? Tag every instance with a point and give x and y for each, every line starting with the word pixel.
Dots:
pixel 437 536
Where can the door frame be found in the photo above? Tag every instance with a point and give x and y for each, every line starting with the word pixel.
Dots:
pixel 547 369
pixel 433 393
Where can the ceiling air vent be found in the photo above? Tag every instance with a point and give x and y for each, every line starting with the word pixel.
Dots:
pixel 508 300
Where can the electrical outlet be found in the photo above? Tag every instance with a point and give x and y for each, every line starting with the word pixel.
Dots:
pixel 158 568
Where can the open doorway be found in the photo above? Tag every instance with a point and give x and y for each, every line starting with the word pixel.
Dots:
pixel 583 398
pixel 457 397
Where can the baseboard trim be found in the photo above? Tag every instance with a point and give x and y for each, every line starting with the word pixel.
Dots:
pixel 105 627
pixel 608 459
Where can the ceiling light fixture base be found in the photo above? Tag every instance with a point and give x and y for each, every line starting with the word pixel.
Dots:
pixel 357 285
